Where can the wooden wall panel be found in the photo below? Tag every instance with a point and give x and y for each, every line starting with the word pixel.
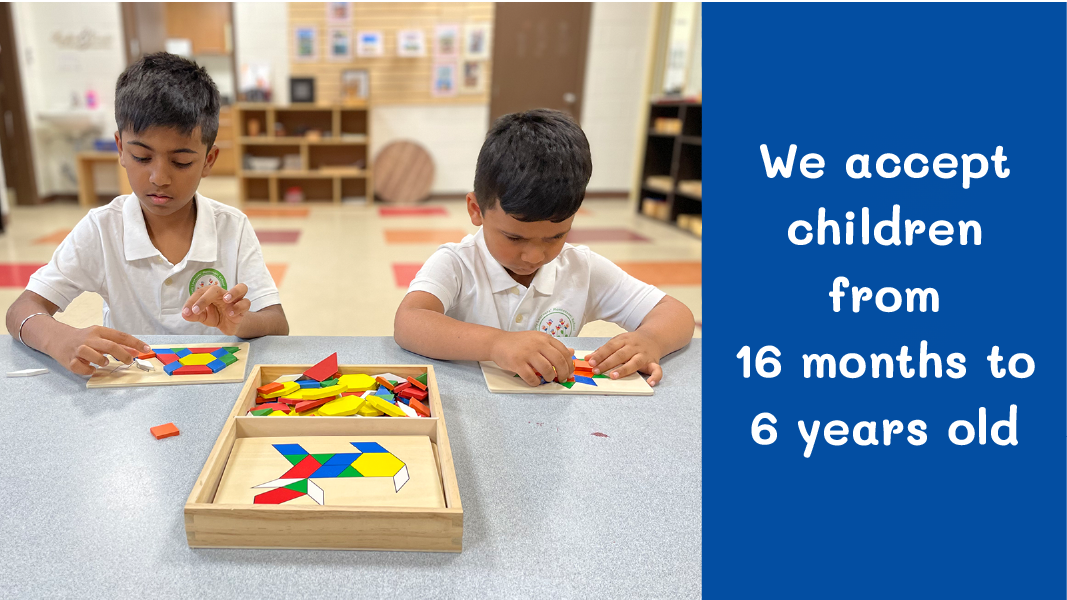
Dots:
pixel 393 80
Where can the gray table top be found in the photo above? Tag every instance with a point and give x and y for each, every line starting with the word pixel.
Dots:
pixel 93 504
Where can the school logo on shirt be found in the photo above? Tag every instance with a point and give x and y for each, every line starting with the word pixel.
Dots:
pixel 206 277
pixel 556 323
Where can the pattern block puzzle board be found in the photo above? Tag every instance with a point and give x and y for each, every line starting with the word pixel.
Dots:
pixel 500 381
pixel 118 375
pixel 378 471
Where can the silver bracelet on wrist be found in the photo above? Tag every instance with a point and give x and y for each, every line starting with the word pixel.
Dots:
pixel 23 324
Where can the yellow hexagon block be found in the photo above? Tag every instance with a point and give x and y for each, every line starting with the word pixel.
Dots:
pixel 358 382
pixel 377 464
pixel 196 359
pixel 367 410
pixel 342 407
pixel 320 393
pixel 385 406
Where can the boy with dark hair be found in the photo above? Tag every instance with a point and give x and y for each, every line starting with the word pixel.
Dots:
pixel 165 259
pixel 507 292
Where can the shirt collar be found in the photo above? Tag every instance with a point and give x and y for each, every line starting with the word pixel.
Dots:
pixel 499 280
pixel 137 245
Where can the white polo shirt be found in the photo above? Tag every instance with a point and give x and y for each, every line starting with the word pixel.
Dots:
pixel 109 253
pixel 577 287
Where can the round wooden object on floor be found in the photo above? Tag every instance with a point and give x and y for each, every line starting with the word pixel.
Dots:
pixel 403 173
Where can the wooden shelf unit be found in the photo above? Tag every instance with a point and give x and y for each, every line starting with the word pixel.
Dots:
pixel 327 172
pixel 672 156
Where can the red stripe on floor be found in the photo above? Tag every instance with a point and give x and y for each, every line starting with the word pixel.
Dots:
pixel 403 273
pixel 665 273
pixel 278 236
pixel 276 212
pixel 423 236
pixel 277 272
pixel 608 234
pixel 17 275
pixel 412 211
pixel 54 238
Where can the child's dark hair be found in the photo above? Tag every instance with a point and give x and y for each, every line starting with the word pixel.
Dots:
pixel 536 164
pixel 165 90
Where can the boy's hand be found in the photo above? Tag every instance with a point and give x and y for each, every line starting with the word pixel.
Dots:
pixel 628 353
pixel 216 307
pixel 530 352
pixel 88 346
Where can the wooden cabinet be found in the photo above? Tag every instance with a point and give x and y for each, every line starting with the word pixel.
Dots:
pixel 226 163
pixel 206 24
pixel 671 177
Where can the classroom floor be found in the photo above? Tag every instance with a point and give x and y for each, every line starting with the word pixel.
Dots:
pixel 343 270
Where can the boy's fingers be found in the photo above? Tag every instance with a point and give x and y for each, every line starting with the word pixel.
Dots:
pixel 80 367
pixel 561 347
pixel 238 309
pixel 631 366
pixel 656 375
pixel 619 357
pixel 211 294
pixel 127 340
pixel 118 351
pixel 90 355
pixel 526 373
pixel 194 297
pixel 236 293
pixel 563 365
pixel 602 353
pixel 543 366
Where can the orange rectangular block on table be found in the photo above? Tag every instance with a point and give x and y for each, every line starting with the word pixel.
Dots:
pixel 270 387
pixel 417 383
pixel 162 431
pixel 146 355
pixel 384 383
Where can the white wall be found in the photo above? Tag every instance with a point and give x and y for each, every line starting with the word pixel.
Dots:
pixel 53 72
pixel 261 32
pixel 452 134
pixel 613 104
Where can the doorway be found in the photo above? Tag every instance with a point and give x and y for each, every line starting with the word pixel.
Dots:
pixel 539 55
pixel 14 130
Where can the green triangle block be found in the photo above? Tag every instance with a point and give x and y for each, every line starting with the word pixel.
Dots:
pixel 299 486
pixel 601 376
pixel 421 379
pixel 231 349
pixel 229 359
pixel 322 458
pixel 263 412
pixel 567 384
pixel 350 471
pixel 292 458
pixel 328 382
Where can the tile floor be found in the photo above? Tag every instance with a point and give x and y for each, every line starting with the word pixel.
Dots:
pixel 343 270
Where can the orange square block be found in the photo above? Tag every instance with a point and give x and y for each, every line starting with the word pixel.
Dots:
pixel 146 355
pixel 162 431
pixel 416 383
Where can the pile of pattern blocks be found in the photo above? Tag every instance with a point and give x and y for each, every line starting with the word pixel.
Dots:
pixel 583 373
pixel 192 361
pixel 322 391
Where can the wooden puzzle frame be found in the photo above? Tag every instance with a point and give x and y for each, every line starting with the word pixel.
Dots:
pixel 120 376
pixel 500 381
pixel 210 525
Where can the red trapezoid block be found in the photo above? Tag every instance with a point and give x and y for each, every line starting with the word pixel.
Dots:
pixel 302 469
pixel 276 496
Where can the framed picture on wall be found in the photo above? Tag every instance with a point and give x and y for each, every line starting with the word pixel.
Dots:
pixel 476 41
pixel 446 41
pixel 301 89
pixel 339 13
pixel 339 43
pixel 472 79
pixel 410 43
pixel 369 44
pixel 443 83
pixel 355 84
pixel 305 46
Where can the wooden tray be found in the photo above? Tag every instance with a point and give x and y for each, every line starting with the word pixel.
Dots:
pixel 313 526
